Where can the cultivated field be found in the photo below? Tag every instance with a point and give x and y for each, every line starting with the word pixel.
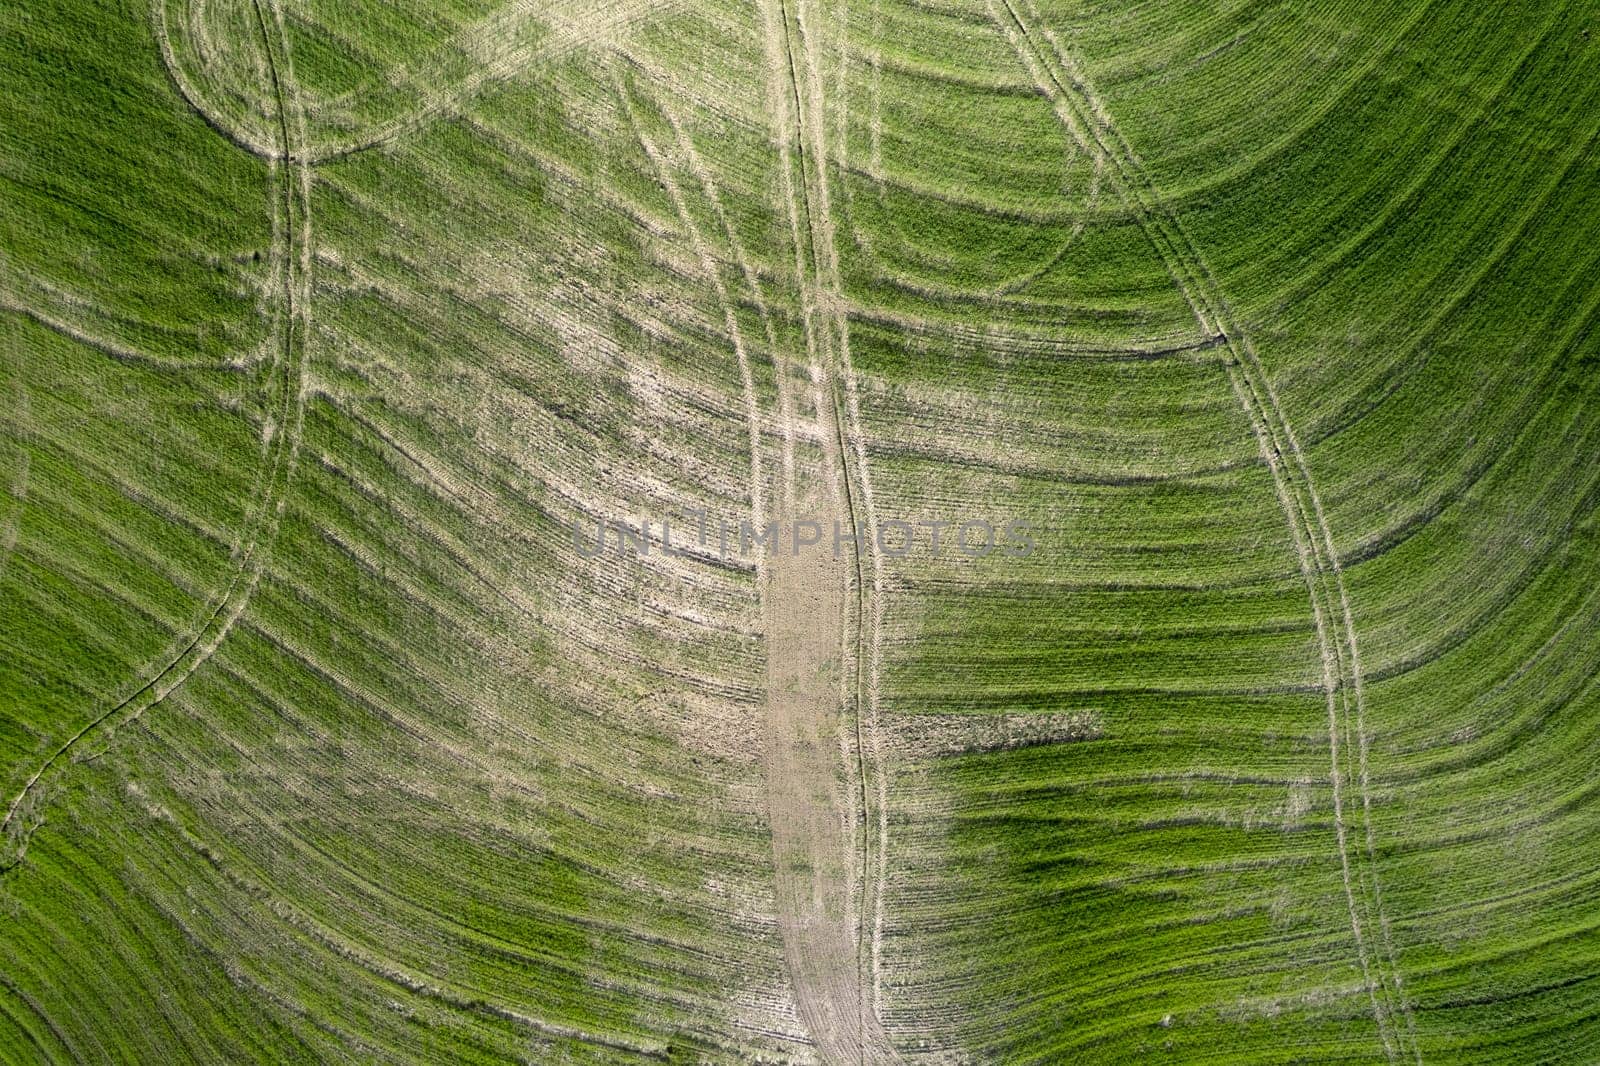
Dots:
pixel 332 333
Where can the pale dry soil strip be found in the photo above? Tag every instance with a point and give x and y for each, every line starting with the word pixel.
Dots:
pixel 795 76
pixel 1080 108
pixel 809 784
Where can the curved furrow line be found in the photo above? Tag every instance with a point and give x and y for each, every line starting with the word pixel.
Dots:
pixel 448 543
pixel 1004 295
pixel 1242 953
pixel 777 353
pixel 1080 107
pixel 498 27
pixel 309 853
pixel 713 272
pixel 594 27
pixel 900 62
pixel 1481 750
pixel 344 948
pixel 1352 249
pixel 1521 420
pixel 1284 144
pixel 885 179
pixel 1411 354
pixel 116 349
pixel 689 157
pixel 249 140
pixel 1090 205
pixel 48 1022
pixel 1014 342
pixel 51 306
pixel 292 242
pixel 16 493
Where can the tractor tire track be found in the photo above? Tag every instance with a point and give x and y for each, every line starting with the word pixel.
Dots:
pixel 787 422
pixel 869 740
pixel 842 990
pixel 11 302
pixel 16 493
pixel 250 141
pixel 595 26
pixel 292 247
pixel 713 271
pixel 1080 108
pixel 577 30
pixel 251 883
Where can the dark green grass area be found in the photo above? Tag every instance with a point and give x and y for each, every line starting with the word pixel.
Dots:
pixel 161 236
pixel 139 463
pixel 1410 245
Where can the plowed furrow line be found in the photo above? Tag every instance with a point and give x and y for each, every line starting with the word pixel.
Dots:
pixel 1081 110
pixel 294 240
pixel 713 272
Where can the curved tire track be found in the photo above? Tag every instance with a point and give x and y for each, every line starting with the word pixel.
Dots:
pixel 598 26
pixel 843 989
pixel 292 243
pixel 1080 108
pixel 663 165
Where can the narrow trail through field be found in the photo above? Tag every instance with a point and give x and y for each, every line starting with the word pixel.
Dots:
pixel 1081 110
pixel 803 607
pixel 819 851
pixel 291 258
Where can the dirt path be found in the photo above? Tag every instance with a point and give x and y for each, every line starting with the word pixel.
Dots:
pixel 1083 112
pixel 810 786
pixel 831 950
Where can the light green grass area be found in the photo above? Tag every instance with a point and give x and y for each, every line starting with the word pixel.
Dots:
pixel 323 323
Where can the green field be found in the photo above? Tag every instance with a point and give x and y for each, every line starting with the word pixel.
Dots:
pixel 326 328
